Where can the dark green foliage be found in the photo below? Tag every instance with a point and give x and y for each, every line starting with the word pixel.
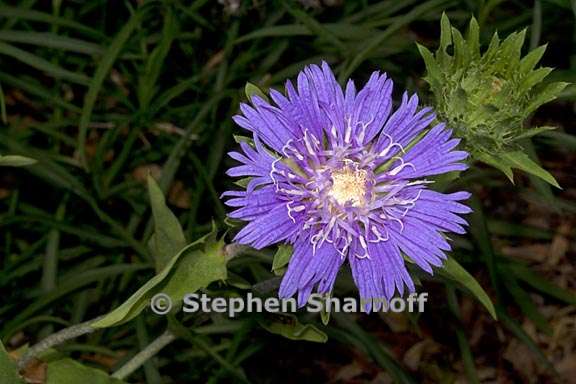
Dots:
pixel 486 97
pixel 95 96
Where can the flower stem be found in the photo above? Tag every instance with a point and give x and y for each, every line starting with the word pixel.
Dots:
pixel 56 339
pixel 145 354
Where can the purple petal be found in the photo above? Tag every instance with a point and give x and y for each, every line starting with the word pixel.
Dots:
pixel 268 229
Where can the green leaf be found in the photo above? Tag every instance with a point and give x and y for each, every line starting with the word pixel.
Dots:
pixel 521 335
pixel 193 268
pixel 445 38
pixel 465 350
pixel 42 64
pixel 560 139
pixel 51 40
pixel 243 139
pixel 252 90
pixel 344 31
pixel 533 78
pixel 524 301
pixel 473 39
pixel 100 75
pixel 516 159
pixel 529 61
pixel 314 26
pixel 15 13
pixel 324 314
pixel 168 238
pixel 65 287
pixel 149 78
pixel 461 54
pixel 68 371
pixel 549 93
pixel 199 342
pixel 433 72
pixel 197 270
pixel 533 132
pixel 15 161
pixel 492 49
pixel 3 115
pixel 289 327
pixel 281 259
pixel 520 160
pixel 543 285
pixel 238 281
pixel 8 370
pixel 376 41
pixel 456 272
pixel 496 163
pixel 243 183
pixel 354 334
pixel 286 30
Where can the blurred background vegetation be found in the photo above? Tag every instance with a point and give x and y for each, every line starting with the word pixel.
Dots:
pixel 102 93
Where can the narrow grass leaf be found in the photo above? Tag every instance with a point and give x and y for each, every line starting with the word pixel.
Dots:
pixel 543 285
pixel 465 350
pixel 519 332
pixel 97 80
pixel 457 273
pixel 52 40
pixel 525 303
pixel 16 161
pixel 15 13
pixel 315 27
pixel 65 288
pixel 3 115
pixel 42 64
pixel 380 38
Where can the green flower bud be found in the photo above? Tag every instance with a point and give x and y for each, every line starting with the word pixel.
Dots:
pixel 487 97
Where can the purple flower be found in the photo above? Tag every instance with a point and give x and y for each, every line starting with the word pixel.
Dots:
pixel 340 175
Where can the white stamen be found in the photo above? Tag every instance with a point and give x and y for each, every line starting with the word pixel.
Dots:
pixel 399 168
pixel 348 130
pixel 292 191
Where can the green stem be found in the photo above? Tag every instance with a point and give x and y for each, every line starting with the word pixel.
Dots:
pixel 56 339
pixel 143 356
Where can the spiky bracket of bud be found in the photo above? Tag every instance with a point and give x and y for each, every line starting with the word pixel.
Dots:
pixel 487 97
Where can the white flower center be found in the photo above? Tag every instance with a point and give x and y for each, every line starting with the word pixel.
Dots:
pixel 349 185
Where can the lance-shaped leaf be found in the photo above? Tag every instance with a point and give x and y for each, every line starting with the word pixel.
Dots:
pixel 252 90
pixel 15 161
pixel 193 268
pixel 520 160
pixel 68 371
pixel 289 327
pixel 454 271
pixel 281 259
pixel 168 238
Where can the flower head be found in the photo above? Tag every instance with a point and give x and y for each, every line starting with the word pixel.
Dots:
pixel 487 96
pixel 341 176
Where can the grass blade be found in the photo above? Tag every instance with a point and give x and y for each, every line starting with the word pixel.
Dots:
pixel 42 64
pixel 96 82
pixel 51 40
